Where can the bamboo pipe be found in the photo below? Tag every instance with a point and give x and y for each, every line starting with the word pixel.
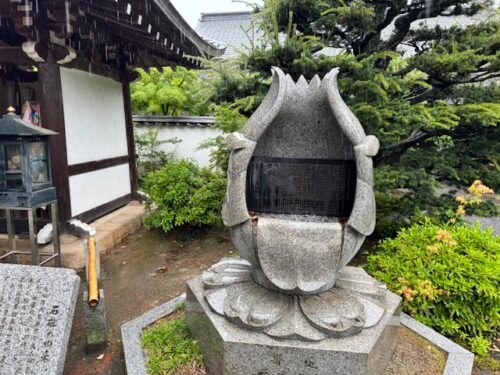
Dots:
pixel 92 274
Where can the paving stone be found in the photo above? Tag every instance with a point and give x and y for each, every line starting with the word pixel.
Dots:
pixel 105 241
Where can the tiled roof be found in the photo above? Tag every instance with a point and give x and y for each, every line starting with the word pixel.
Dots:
pixel 230 29
pixel 192 121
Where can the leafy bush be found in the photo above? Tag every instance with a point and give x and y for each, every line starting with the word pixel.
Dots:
pixel 448 277
pixel 183 193
pixel 170 346
pixel 149 157
pixel 169 92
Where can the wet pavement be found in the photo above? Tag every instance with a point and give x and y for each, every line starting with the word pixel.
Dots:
pixel 146 270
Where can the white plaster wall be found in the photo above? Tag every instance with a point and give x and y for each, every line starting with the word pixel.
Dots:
pixel 94 115
pixel 92 189
pixel 191 137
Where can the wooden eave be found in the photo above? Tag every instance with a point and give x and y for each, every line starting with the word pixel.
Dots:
pixel 122 34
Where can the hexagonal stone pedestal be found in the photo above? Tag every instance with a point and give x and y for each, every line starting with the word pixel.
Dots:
pixel 231 350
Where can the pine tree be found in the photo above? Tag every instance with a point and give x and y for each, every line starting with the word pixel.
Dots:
pixel 426 92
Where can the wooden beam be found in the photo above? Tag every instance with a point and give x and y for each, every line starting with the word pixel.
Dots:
pixel 130 139
pixel 104 209
pixel 52 112
pixel 96 165
pixel 95 67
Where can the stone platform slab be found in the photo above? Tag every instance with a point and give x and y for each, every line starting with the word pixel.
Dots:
pixel 111 229
pixel 231 350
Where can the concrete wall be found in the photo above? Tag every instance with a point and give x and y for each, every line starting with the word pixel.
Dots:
pixel 94 115
pixel 191 137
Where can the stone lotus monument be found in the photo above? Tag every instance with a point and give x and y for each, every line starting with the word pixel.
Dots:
pixel 299 205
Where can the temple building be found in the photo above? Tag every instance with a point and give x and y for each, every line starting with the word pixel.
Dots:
pixel 67 65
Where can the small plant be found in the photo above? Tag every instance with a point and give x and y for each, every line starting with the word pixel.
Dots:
pixel 149 157
pixel 448 277
pixel 473 199
pixel 183 193
pixel 170 347
pixel 228 119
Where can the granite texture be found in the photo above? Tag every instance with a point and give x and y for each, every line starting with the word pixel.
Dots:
pixel 357 302
pixel 37 305
pixel 135 359
pixel 229 349
pixel 298 255
pixel 281 245
pixel 310 121
pixel 304 128
pixel 96 327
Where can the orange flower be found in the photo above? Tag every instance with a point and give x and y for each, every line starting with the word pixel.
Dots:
pixel 461 199
pixel 408 293
pixel 445 237
pixel 460 210
pixel 479 189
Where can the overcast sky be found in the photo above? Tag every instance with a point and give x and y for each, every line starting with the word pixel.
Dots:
pixel 191 9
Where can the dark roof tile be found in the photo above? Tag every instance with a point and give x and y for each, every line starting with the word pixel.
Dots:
pixel 158 120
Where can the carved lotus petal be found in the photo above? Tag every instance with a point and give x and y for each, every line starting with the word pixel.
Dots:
pixel 294 326
pixel 342 311
pixel 252 305
pixel 357 281
pixel 281 245
pixel 334 312
pixel 226 272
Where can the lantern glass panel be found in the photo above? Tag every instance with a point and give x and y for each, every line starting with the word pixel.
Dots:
pixel 39 164
pixel 14 170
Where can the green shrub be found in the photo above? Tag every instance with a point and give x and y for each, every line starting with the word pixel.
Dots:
pixel 170 346
pixel 449 279
pixel 184 193
pixel 149 157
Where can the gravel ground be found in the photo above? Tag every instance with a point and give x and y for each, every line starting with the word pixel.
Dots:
pixel 415 356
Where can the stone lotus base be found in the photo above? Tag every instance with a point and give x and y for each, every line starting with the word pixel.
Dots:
pixel 231 350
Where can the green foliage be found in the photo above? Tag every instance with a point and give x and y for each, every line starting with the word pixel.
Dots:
pixel 169 92
pixel 229 120
pixel 229 83
pixel 183 193
pixel 149 157
pixel 169 347
pixel 448 277
pixel 480 345
pixel 488 363
pixel 435 113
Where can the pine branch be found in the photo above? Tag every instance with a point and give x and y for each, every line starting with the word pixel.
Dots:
pixel 395 150
pixel 418 11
